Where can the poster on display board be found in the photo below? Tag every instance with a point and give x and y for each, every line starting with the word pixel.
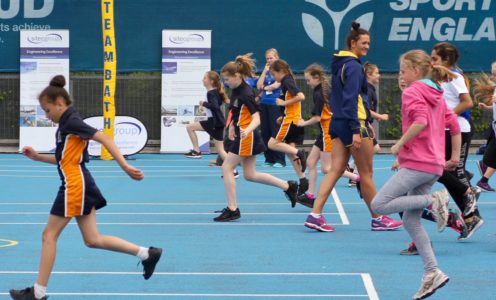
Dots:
pixel 43 54
pixel 186 56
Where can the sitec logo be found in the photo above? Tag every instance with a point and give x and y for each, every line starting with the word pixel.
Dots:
pixel 318 32
pixel 186 39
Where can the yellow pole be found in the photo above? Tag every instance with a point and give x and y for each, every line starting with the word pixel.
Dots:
pixel 109 72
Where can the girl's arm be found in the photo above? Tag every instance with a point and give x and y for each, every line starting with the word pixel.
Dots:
pixel 261 79
pixel 464 105
pixel 34 155
pixel 311 121
pixel 298 98
pixel 379 117
pixel 456 141
pixel 273 86
pixel 255 122
pixel 412 132
pixel 109 143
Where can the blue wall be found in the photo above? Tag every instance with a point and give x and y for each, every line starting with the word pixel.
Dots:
pixel 303 31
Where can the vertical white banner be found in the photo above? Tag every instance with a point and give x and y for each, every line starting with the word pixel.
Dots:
pixel 44 54
pixel 186 56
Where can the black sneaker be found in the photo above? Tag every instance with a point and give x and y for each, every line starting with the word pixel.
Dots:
pixel 25 294
pixel 303 186
pixel 351 183
pixel 150 263
pixel 292 192
pixel 306 201
pixel 193 154
pixel 302 157
pixel 227 215
pixel 472 227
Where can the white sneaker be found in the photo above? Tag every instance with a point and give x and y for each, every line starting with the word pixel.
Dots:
pixel 430 283
pixel 440 208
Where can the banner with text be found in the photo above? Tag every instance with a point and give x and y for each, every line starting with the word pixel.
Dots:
pixel 186 57
pixel 44 54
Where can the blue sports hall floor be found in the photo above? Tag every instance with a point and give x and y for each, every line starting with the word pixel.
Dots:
pixel 266 254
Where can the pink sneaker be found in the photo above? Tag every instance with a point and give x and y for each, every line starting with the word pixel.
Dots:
pixel 318 224
pixel 385 223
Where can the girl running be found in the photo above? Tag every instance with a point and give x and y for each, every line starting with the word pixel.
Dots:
pixel 247 142
pixel 214 125
pixel 317 79
pixel 288 135
pixel 457 97
pixel 485 93
pixel 421 159
pixel 78 196
pixel 351 133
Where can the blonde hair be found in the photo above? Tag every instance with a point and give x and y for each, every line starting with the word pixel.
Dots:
pixel 273 51
pixel 243 65
pixel 217 84
pixel 419 59
pixel 483 88
pixel 316 70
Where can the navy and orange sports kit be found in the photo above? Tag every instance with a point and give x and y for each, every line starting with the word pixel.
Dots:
pixel 78 193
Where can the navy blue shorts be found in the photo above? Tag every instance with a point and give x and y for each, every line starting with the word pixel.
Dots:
pixel 340 129
pixel 248 146
pixel 289 133
pixel 217 133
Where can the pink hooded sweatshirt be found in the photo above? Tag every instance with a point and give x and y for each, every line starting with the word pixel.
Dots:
pixel 422 103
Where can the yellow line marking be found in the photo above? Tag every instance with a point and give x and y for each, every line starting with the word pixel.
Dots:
pixel 9 243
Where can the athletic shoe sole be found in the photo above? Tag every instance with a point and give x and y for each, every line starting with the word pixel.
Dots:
pixel 434 290
pixel 317 227
pixel 386 229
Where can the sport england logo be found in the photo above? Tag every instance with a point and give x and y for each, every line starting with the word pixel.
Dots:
pixel 317 31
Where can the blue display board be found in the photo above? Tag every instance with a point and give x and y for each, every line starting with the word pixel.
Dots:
pixel 304 31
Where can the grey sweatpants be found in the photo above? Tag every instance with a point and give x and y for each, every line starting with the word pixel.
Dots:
pixel 409 191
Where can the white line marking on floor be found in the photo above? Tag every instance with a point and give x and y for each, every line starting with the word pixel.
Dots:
pixel 340 208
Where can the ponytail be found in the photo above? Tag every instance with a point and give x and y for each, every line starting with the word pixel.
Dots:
pixel 243 65
pixel 484 89
pixel 317 70
pixel 217 84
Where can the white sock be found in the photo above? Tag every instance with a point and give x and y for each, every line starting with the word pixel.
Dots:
pixel 315 215
pixel 142 253
pixel 378 218
pixel 39 291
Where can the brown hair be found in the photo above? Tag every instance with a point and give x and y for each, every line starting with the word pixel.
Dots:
pixel 484 88
pixel 355 33
pixel 316 70
pixel 447 52
pixel 422 61
pixel 54 90
pixel 368 68
pixel 243 65
pixel 281 65
pixel 217 84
